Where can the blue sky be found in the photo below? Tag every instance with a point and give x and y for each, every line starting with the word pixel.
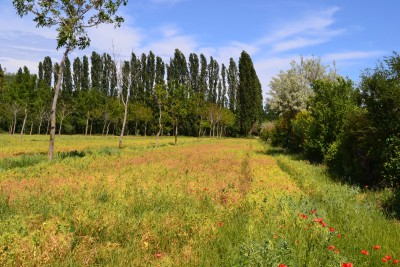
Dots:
pixel 354 34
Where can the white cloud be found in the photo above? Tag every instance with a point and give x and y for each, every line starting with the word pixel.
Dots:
pixel 312 30
pixel 352 55
pixel 296 43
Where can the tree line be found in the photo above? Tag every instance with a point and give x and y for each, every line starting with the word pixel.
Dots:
pixel 354 130
pixel 197 97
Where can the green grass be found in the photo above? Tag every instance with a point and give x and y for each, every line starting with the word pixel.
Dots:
pixel 231 202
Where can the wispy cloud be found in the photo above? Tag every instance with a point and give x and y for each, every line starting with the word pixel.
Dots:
pixel 352 55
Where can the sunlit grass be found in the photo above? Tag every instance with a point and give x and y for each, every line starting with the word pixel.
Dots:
pixel 204 202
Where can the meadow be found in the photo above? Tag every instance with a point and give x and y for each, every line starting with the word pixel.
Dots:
pixel 207 202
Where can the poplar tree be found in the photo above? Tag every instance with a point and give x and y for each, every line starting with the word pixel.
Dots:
pixel 213 77
pixel 233 82
pixel 194 66
pixel 72 19
pixel 67 86
pixel 77 76
pixel 203 76
pixel 96 70
pixel 47 71
pixel 85 74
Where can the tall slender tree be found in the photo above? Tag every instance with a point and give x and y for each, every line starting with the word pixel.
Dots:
pixel 77 76
pixel 72 19
pixel 233 82
pixel 249 95
pixel 85 74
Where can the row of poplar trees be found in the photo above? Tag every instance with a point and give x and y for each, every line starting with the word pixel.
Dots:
pixel 197 97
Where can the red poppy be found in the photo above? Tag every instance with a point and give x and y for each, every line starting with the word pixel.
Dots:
pixel 281 227
pixel 275 236
pixel 384 260
pixel 339 236
pixel 313 211
pixel 396 261
pixel 220 223
pixel 205 189
pixel 304 216
pixel 349 264
pixel 331 247
pixel 318 220
pixel 282 265
pixel 324 224
pixel 332 229
pixel 377 247
pixel 388 257
pixel 158 255
pixel 364 252
pixel 337 251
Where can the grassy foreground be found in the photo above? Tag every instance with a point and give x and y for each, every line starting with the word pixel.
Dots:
pixel 231 202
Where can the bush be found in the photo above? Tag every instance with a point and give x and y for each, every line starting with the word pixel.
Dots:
pixel 266 130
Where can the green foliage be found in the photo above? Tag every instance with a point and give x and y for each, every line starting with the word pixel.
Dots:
pixel 249 96
pixel 71 17
pixel 331 103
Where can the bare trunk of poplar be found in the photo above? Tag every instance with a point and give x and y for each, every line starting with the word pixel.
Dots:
pixel 159 124
pixel 176 132
pixel 87 124
pixel 54 105
pixel 124 122
pixel 23 123
pixel 47 127
pixel 30 133
pixel 15 123
pixel 201 119
pixel 59 130
pixel 108 128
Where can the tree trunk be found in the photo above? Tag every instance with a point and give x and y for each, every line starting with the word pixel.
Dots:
pixel 176 132
pixel 30 133
pixel 136 132
pixel 23 123
pixel 47 128
pixel 87 124
pixel 40 124
pixel 159 125
pixel 54 105
pixel 104 128
pixel 198 137
pixel 108 128
pixel 15 123
pixel 145 129
pixel 91 127
pixel 59 130
pixel 124 122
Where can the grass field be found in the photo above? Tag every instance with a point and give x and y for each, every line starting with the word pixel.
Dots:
pixel 230 202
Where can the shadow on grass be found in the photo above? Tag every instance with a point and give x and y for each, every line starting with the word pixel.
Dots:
pixel 392 205
pixel 71 154
pixel 25 160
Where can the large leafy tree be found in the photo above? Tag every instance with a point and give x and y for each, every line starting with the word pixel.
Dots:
pixel 72 19
pixel 249 95
pixel 291 89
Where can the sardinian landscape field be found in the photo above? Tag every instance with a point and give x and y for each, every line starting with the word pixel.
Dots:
pixel 199 133
pixel 207 202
